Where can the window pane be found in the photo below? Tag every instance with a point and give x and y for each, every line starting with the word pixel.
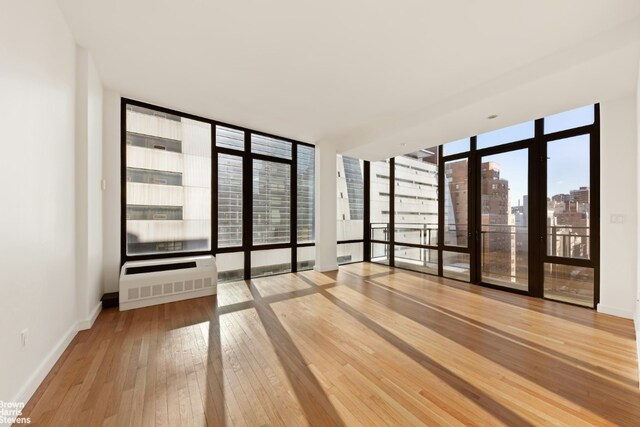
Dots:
pixel 569 284
pixel 350 252
pixel 306 258
pixel 456 265
pixel 350 194
pixel 168 183
pixel 229 138
pixel 271 202
pixel 505 135
pixel 504 231
pixel 456 147
pixel 147 176
pixel 416 197
pixel 380 253
pixel 456 203
pixel 569 119
pixel 266 263
pixel 417 259
pixel 306 193
pixel 568 197
pixel 270 146
pixel 229 200
pixel 380 197
pixel 230 266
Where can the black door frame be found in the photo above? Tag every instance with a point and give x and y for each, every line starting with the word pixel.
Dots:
pixel 529 145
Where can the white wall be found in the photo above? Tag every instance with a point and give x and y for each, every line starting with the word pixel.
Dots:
pixel 637 314
pixel 325 208
pixel 37 244
pixel 111 196
pixel 619 195
pixel 88 188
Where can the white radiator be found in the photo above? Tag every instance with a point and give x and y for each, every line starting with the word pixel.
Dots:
pixel 145 283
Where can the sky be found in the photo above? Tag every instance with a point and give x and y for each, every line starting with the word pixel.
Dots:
pixel 568 159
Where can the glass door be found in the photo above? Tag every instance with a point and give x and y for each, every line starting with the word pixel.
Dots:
pixel 569 268
pixel 504 219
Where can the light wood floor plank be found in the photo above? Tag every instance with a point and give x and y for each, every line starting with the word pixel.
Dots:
pixel 368 345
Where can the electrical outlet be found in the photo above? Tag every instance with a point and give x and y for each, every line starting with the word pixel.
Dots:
pixel 617 219
pixel 23 337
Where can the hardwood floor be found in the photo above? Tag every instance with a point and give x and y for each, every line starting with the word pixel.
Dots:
pixel 368 345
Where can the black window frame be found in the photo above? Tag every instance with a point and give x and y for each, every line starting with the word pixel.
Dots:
pixel 366 242
pixel 247 197
pixel 537 162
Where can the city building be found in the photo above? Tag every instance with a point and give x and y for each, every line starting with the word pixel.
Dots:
pixel 168 183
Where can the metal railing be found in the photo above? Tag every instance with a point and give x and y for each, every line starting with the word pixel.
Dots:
pixel 499 253
pixel 568 241
pixel 500 244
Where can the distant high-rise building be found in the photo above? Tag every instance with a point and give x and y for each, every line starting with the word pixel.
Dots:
pixel 568 224
pixel 498 242
pixel 168 182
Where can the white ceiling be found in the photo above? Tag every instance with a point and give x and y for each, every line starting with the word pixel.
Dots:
pixel 366 75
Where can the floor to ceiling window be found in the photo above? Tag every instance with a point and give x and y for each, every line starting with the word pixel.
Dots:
pixel 193 186
pixel 381 205
pixel 416 211
pixel 350 209
pixel 515 208
pixel 456 205
pixel 167 182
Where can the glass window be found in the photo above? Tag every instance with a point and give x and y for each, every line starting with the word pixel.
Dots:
pixel 350 252
pixel 306 167
pixel 350 204
pixel 569 283
pixel 416 197
pixel 456 147
pixel 147 176
pixel 380 191
pixel 456 265
pixel 270 146
pixel 417 259
pixel 568 198
pixel 229 200
pixel 269 262
pixel 456 203
pixel 380 253
pixel 229 138
pixel 569 119
pixel 271 202
pixel 505 135
pixel 230 266
pixel 306 258
pixel 168 189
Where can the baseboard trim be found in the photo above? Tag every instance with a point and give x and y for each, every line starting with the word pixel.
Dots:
pixel 636 321
pixel 324 269
pixel 615 311
pixel 88 323
pixel 45 366
pixel 41 372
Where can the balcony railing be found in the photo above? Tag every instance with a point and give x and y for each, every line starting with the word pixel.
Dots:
pixel 505 254
pixel 424 234
pixel 504 247
pixel 568 241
